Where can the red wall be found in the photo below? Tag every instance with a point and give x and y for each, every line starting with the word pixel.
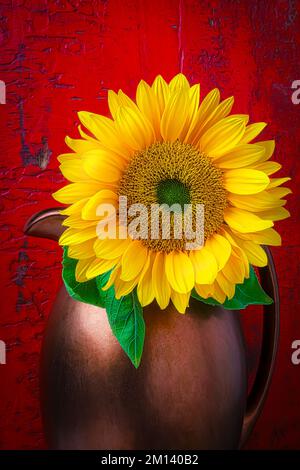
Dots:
pixel 58 57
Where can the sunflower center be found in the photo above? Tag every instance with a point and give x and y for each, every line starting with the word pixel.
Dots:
pixel 172 191
pixel 175 173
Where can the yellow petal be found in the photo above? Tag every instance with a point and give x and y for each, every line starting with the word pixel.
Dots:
pixel 105 196
pixel 76 221
pixel 220 248
pixel 135 128
pixel 234 269
pixel 145 290
pixel 124 100
pixel 274 182
pixel 243 221
pixel 220 112
pixel 99 266
pixel 219 294
pixel 205 265
pixel 82 250
pixel 252 131
pixel 113 277
pixel 73 236
pixel 267 167
pixel 79 145
pixel 81 269
pixel 113 102
pixel 102 166
pixel 124 288
pixel 254 252
pixel 180 301
pixel 179 82
pixel 75 208
pixel 75 191
pixel 111 248
pixel 242 155
pixel 66 157
pixel 279 213
pixel 278 193
pixel 180 272
pixel 133 260
pixel 227 287
pixel 207 107
pixel 245 181
pixel 74 171
pixel 222 137
pixel 204 291
pixel 162 92
pixel 264 237
pixel 174 116
pixel 161 286
pixel 104 129
pixel 255 202
pixel 192 107
pixel 149 106
pixel 269 147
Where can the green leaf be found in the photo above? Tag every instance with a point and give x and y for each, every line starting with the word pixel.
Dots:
pixel 86 292
pixel 248 293
pixel 125 316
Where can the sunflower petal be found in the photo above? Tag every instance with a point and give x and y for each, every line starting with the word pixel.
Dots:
pixel 111 248
pixel 267 167
pixel 205 266
pixel 162 92
pixel 279 213
pixel 252 131
pixel 75 191
pixel 102 166
pixel 105 196
pixel 174 116
pixel 149 106
pixel 180 301
pixel 134 127
pixel 81 269
pixel 245 181
pixel 82 250
pixel 222 137
pixel 220 248
pixel 274 182
pixel 255 202
pixel 133 260
pixel 244 221
pixel 73 236
pixel 227 287
pixel 104 129
pixel 161 286
pixel 145 290
pixel 242 155
pixel 73 171
pixel 99 266
pixel 180 272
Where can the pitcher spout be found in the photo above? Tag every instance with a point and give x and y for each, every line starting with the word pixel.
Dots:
pixel 46 224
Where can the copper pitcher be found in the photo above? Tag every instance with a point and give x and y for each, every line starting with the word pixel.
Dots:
pixel 190 391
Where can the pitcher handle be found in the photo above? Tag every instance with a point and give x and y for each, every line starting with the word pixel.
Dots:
pixel 270 340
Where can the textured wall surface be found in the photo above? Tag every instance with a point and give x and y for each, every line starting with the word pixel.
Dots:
pixel 59 57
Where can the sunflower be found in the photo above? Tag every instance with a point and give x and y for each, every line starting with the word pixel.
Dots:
pixel 169 147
